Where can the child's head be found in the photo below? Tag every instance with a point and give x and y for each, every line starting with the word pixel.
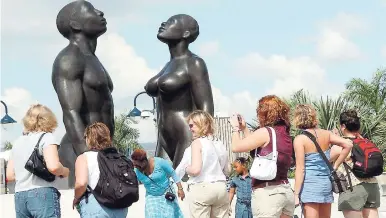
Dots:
pixel 240 165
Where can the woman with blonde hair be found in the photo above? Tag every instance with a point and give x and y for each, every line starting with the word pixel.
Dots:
pixel 34 196
pixel 313 187
pixel 270 198
pixel 87 174
pixel 207 165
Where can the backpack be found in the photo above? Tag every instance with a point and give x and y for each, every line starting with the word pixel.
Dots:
pixel 117 186
pixel 367 158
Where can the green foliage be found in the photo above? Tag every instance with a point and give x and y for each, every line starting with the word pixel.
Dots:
pixel 125 136
pixel 8 145
pixel 368 98
pixel 291 173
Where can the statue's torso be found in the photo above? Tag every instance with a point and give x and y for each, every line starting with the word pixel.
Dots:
pixel 97 86
pixel 174 88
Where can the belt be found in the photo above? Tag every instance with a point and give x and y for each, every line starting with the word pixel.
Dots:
pixel 196 183
pixel 266 184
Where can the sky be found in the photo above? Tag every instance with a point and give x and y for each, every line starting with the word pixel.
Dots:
pixel 252 48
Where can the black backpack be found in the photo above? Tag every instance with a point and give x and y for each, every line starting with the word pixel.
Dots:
pixel 117 186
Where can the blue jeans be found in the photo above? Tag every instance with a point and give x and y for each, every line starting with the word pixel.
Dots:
pixel 92 209
pixel 38 203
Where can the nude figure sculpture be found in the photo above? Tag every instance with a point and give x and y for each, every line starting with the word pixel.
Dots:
pixel 82 84
pixel 182 86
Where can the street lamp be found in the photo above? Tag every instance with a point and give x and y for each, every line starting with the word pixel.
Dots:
pixel 144 113
pixel 135 112
pixel 6 119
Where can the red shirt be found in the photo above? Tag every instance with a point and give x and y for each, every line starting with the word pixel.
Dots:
pixel 285 150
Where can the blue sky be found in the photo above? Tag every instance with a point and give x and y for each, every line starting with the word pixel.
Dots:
pixel 252 48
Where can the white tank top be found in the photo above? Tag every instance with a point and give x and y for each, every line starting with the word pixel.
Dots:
pixel 211 170
pixel 93 168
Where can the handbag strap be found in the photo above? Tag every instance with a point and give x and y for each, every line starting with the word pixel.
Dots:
pixel 37 144
pixel 274 145
pixel 348 168
pixel 157 184
pixel 313 139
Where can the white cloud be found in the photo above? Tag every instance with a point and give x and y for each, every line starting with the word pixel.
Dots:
pixel 208 49
pixel 128 71
pixel 288 74
pixel 334 42
pixel 18 100
pixel 240 102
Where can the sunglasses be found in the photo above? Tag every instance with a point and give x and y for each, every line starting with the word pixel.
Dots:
pixel 191 125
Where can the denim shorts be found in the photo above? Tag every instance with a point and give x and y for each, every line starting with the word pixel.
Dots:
pixel 92 209
pixel 38 203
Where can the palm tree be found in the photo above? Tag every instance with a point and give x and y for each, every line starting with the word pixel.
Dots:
pixel 125 137
pixel 369 97
pixel 327 108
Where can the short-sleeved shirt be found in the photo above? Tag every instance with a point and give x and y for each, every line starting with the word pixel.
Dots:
pixel 243 188
pixel 21 151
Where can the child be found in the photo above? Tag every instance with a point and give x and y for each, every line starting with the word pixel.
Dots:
pixel 242 184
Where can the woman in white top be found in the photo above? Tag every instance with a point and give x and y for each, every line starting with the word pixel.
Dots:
pixel 97 137
pixel 35 197
pixel 208 196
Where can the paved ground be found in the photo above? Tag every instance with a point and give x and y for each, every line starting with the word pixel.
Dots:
pixel 137 210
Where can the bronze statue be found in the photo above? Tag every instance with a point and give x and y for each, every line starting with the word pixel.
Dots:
pixel 182 86
pixel 81 82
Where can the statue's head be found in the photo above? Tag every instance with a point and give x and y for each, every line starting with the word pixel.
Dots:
pixel 81 17
pixel 179 27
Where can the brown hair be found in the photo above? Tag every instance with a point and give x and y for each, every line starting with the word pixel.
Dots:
pixel 273 111
pixel 305 117
pixel 97 136
pixel 203 120
pixel 39 118
pixel 139 155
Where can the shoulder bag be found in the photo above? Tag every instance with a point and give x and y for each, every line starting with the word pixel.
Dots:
pixel 264 167
pixel 37 165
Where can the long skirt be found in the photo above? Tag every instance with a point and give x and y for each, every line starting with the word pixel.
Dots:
pixel 159 207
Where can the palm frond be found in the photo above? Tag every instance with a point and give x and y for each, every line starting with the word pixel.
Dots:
pixel 125 136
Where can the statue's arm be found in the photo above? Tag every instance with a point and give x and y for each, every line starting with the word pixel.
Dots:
pixel 201 88
pixel 67 80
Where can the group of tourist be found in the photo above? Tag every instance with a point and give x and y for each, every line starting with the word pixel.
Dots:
pixel 206 163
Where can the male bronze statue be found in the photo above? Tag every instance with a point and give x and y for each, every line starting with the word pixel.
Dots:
pixel 82 84
pixel 182 86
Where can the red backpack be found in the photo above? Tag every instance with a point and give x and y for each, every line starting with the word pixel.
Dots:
pixel 367 158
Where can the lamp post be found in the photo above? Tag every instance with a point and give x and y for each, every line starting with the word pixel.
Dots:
pixel 135 112
pixel 6 119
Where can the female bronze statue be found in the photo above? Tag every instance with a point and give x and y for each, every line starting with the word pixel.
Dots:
pixel 182 86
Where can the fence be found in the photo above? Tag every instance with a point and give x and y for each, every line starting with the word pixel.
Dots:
pixel 3 183
pixel 224 133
